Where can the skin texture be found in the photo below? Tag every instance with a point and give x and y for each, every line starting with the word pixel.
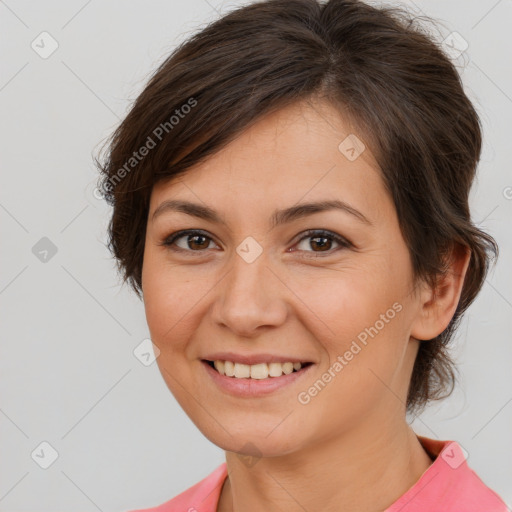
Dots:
pixel 350 444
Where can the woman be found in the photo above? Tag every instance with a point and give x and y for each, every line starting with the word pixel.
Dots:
pixel 290 200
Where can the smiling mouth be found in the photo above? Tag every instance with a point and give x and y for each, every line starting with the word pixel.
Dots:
pixel 256 371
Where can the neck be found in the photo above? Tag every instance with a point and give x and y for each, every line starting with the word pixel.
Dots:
pixel 365 470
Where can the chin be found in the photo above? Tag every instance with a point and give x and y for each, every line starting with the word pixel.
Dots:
pixel 253 440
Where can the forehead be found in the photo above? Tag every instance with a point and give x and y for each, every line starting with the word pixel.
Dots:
pixel 301 153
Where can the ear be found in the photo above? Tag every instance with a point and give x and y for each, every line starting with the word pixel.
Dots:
pixel 437 306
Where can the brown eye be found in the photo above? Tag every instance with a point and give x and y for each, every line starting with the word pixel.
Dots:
pixel 192 241
pixel 197 242
pixel 323 243
pixel 320 241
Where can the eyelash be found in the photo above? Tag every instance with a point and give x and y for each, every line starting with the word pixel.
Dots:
pixel 310 233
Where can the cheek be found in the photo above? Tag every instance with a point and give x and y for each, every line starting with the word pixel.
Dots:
pixel 175 298
pixel 358 315
pixel 365 347
pixel 171 299
pixel 161 292
pixel 342 302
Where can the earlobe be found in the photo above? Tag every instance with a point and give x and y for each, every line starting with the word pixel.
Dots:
pixel 438 305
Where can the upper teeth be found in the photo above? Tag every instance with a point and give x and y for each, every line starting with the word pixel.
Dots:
pixel 255 371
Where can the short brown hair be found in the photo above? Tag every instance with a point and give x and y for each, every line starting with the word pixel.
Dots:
pixel 387 76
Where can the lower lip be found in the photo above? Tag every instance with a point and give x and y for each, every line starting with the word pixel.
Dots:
pixel 254 387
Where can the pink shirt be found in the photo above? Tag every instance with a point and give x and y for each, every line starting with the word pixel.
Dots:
pixel 448 485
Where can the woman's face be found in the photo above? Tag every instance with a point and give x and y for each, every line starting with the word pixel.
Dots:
pixel 254 283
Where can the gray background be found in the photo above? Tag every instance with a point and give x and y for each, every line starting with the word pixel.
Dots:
pixel 68 374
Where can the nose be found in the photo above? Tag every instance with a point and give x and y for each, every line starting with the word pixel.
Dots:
pixel 250 297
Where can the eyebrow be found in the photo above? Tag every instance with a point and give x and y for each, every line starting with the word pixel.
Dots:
pixel 278 217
